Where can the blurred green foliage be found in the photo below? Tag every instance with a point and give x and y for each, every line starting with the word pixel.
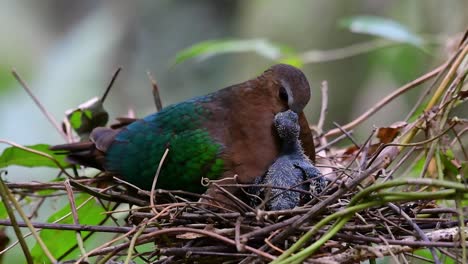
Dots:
pixel 6 82
pixel 262 47
pixel 381 27
pixel 371 25
pixel 59 241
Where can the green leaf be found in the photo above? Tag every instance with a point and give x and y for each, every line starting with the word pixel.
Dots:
pixel 87 116
pixel 450 170
pixel 426 253
pixel 20 157
pixel 210 48
pixel 3 212
pixel 293 60
pixel 59 241
pixel 75 119
pixel 417 168
pixel 381 27
pixel 89 113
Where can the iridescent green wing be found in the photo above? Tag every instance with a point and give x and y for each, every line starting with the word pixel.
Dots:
pixel 193 153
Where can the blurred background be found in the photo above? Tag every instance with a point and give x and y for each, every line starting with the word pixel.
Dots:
pixel 67 52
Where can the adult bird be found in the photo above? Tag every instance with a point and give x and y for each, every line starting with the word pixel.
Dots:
pixel 219 135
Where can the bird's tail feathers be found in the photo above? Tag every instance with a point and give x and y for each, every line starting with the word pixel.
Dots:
pixel 89 153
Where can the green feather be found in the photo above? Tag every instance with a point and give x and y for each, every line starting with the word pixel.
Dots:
pixel 193 153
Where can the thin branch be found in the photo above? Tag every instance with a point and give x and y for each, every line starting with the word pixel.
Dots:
pixel 152 235
pixel 109 86
pixel 439 92
pixel 155 180
pixel 71 199
pixel 39 104
pixel 461 218
pixel 38 153
pixel 387 100
pixel 348 135
pixel 460 143
pixel 324 108
pixel 408 241
pixel 401 145
pixel 239 246
pixel 430 87
pixel 14 223
pixel 155 91
pixel 37 225
pixel 74 227
pixel 416 228
pixel 334 141
pixel 406 245
pixel 108 243
pixel 131 248
pixel 5 191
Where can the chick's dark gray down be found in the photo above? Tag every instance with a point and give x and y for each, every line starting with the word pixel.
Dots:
pixel 292 169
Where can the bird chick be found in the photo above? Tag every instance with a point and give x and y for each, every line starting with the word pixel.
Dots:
pixel 291 170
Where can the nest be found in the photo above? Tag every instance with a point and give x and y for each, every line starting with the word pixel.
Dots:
pixel 395 193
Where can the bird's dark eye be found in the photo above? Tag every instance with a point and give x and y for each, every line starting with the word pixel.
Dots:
pixel 283 95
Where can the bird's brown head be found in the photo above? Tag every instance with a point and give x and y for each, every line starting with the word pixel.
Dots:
pixel 291 86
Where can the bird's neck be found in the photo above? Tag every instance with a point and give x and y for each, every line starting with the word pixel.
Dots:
pixel 290 146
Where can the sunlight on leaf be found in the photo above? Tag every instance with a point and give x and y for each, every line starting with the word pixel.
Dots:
pixel 60 241
pixel 16 156
pixel 262 47
pixel 381 27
